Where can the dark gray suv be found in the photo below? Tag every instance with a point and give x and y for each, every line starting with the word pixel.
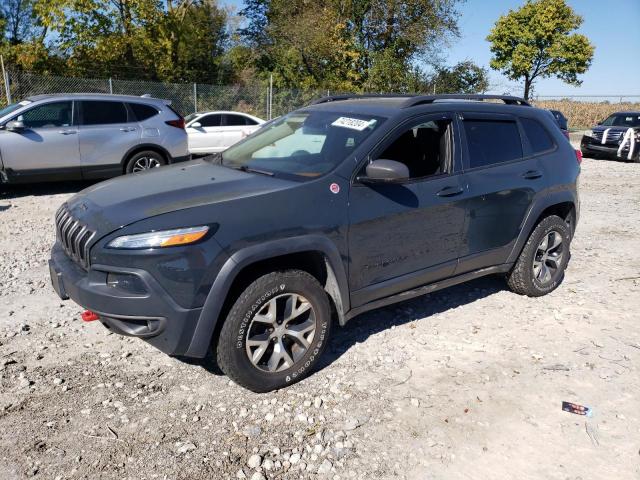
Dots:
pixel 335 209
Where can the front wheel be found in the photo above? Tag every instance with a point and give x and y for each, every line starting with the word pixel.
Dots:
pixel 543 260
pixel 275 332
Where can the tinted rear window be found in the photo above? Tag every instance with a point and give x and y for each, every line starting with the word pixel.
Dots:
pixel 492 141
pixel 143 112
pixel 538 136
pixel 97 112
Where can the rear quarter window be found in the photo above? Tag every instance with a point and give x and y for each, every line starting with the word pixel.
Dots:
pixel 143 112
pixel 492 142
pixel 538 136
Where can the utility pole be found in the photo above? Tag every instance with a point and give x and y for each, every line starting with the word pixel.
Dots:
pixel 5 79
pixel 270 96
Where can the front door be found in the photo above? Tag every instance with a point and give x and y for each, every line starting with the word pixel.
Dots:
pixel 407 234
pixel 206 134
pixel 48 144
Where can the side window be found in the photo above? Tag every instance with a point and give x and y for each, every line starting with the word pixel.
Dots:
pixel 142 112
pixel 425 148
pixel 234 120
pixel 98 112
pixel 249 121
pixel 538 136
pixel 49 115
pixel 492 141
pixel 211 121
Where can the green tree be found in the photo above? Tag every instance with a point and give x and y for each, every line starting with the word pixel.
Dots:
pixel 464 77
pixel 535 41
pixel 346 44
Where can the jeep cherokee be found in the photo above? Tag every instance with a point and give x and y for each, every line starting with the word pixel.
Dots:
pixel 343 206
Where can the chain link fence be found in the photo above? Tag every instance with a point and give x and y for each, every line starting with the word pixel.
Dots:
pixel 260 100
pixel 185 97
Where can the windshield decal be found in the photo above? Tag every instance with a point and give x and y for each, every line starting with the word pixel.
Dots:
pixel 352 123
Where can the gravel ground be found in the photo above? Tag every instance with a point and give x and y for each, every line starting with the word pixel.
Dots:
pixel 463 383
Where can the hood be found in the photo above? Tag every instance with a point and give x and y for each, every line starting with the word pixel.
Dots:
pixel 602 128
pixel 115 203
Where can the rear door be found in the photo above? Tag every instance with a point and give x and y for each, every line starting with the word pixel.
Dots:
pixel 107 132
pixel 236 127
pixel 48 144
pixel 501 178
pixel 208 135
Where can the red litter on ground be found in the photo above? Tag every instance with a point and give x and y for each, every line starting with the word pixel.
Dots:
pixel 577 409
pixel 89 316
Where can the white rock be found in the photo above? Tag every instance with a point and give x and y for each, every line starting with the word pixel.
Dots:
pixel 186 447
pixel 325 467
pixel 254 461
pixel 257 476
pixel 295 458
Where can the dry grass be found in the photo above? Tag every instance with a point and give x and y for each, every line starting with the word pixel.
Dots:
pixel 585 114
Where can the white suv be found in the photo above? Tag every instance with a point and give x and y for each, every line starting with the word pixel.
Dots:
pixel 88 136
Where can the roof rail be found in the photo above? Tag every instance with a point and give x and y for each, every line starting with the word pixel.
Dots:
pixel 424 99
pixel 353 96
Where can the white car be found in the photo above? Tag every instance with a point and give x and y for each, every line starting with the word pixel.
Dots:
pixel 211 132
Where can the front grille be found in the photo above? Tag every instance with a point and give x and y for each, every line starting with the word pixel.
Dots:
pixel 73 236
pixel 612 137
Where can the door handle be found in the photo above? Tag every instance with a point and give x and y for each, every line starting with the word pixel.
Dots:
pixel 67 132
pixel 128 129
pixel 450 191
pixel 532 174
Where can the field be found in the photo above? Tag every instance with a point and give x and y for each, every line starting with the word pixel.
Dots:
pixel 582 115
pixel 465 383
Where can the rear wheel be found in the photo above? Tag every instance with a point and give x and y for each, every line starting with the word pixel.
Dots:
pixel 145 160
pixel 543 260
pixel 275 332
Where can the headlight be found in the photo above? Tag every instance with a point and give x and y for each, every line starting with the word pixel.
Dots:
pixel 590 133
pixel 164 238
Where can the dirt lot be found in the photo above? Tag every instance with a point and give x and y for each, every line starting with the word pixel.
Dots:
pixel 464 383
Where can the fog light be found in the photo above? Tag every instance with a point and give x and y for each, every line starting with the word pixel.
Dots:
pixel 127 283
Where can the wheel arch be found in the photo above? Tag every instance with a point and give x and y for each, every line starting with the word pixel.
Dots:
pixel 562 204
pixel 316 255
pixel 141 148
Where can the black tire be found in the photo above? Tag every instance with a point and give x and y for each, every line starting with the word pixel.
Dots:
pixel 232 350
pixel 136 160
pixel 523 278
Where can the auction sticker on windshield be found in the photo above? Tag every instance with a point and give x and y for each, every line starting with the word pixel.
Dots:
pixel 352 123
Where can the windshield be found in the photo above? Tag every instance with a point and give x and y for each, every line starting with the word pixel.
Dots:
pixel 10 108
pixel 302 144
pixel 618 120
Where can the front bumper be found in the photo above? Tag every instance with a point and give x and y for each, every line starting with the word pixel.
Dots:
pixel 153 316
pixel 589 145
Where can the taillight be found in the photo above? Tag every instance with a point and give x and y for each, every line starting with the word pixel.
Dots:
pixel 179 123
pixel 579 156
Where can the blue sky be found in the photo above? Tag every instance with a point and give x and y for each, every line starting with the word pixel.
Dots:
pixel 612 26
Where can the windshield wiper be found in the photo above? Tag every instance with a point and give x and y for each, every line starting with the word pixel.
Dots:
pixel 244 168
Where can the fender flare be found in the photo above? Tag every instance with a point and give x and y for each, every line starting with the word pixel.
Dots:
pixel 209 317
pixel 545 201
pixel 146 146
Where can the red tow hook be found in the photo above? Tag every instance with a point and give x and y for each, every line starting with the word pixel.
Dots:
pixel 89 316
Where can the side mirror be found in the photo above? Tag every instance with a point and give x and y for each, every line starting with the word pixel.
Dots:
pixel 196 125
pixel 385 171
pixel 14 126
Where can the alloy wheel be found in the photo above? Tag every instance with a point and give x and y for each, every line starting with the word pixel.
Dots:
pixel 281 332
pixel 548 258
pixel 145 163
